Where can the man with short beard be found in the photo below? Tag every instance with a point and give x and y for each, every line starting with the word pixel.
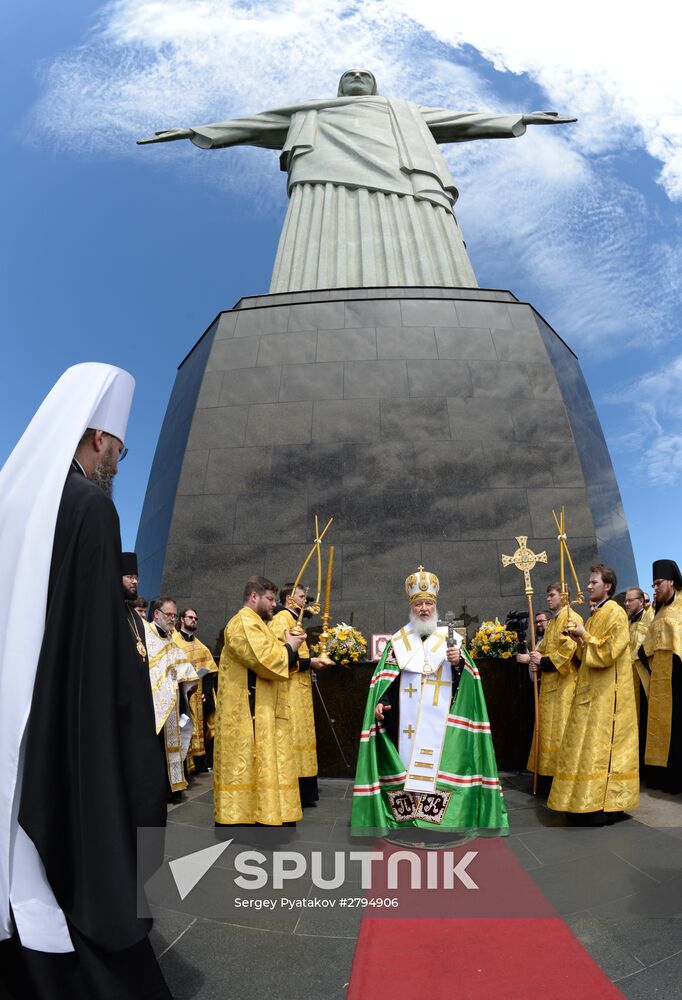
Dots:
pixel 541 620
pixel 553 661
pixel 168 664
pixel 426 756
pixel 202 660
pixel 596 778
pixel 254 773
pixel 640 617
pixel 73 799
pixel 304 743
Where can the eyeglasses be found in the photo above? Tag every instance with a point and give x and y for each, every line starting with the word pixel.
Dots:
pixel 169 614
pixel 123 451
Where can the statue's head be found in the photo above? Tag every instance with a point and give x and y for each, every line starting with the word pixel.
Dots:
pixel 357 83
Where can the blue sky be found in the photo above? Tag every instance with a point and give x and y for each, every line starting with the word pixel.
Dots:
pixel 124 254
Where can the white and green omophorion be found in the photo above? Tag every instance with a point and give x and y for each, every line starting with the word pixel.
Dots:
pixel 466 795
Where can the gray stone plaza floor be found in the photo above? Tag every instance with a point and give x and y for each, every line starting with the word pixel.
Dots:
pixel 618 888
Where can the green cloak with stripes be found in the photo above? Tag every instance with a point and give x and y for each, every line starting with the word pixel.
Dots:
pixel 468 794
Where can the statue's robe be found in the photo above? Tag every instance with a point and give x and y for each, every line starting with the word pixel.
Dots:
pixel 438 770
pixel 662 650
pixel 598 764
pixel 254 772
pixel 303 740
pixel 371 196
pixel 201 658
pixel 559 674
pixel 169 671
pixel 639 627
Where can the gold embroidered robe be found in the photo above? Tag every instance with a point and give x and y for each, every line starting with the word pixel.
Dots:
pixel 662 642
pixel 201 659
pixel 640 675
pixel 168 668
pixel 556 691
pixel 598 765
pixel 300 704
pixel 254 773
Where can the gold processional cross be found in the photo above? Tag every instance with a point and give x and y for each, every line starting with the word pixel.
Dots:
pixel 525 560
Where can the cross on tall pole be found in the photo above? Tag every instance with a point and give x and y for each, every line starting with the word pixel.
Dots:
pixel 525 560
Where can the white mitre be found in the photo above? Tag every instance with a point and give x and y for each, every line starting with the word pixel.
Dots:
pixel 31 484
pixel 411 651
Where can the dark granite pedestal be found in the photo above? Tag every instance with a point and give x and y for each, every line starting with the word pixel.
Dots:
pixel 342 693
pixel 435 424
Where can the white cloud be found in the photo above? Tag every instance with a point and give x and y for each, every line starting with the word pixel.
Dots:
pixel 664 459
pixel 653 426
pixel 616 68
pixel 547 215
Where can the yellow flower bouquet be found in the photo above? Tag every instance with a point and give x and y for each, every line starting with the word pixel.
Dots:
pixel 494 641
pixel 346 645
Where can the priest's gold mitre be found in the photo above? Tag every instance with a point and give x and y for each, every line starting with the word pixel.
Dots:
pixel 422 586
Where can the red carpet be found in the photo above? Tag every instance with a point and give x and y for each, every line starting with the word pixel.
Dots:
pixel 501 941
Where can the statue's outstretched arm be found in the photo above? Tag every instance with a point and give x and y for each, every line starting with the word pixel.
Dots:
pixel 268 129
pixel 546 118
pixel 167 135
pixel 451 126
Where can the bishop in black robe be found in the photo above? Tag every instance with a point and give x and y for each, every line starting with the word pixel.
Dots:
pixel 93 770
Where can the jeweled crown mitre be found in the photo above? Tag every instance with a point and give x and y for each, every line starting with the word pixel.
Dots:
pixel 421 586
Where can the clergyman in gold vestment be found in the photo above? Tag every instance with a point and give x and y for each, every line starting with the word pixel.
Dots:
pixel 662 654
pixel 254 772
pixel 640 618
pixel 303 739
pixel 201 658
pixel 598 767
pixel 554 657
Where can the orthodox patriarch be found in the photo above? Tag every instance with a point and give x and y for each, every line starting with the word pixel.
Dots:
pixel 426 756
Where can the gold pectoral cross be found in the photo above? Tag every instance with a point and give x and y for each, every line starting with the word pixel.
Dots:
pixel 410 732
pixel 438 683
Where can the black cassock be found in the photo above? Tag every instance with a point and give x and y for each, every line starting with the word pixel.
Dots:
pixel 94 770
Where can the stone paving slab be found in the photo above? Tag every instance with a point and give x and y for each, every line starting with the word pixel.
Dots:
pixel 618 888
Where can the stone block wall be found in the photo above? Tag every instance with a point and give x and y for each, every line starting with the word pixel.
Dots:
pixel 435 425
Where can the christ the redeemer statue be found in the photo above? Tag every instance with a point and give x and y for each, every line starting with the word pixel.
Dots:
pixel 370 194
